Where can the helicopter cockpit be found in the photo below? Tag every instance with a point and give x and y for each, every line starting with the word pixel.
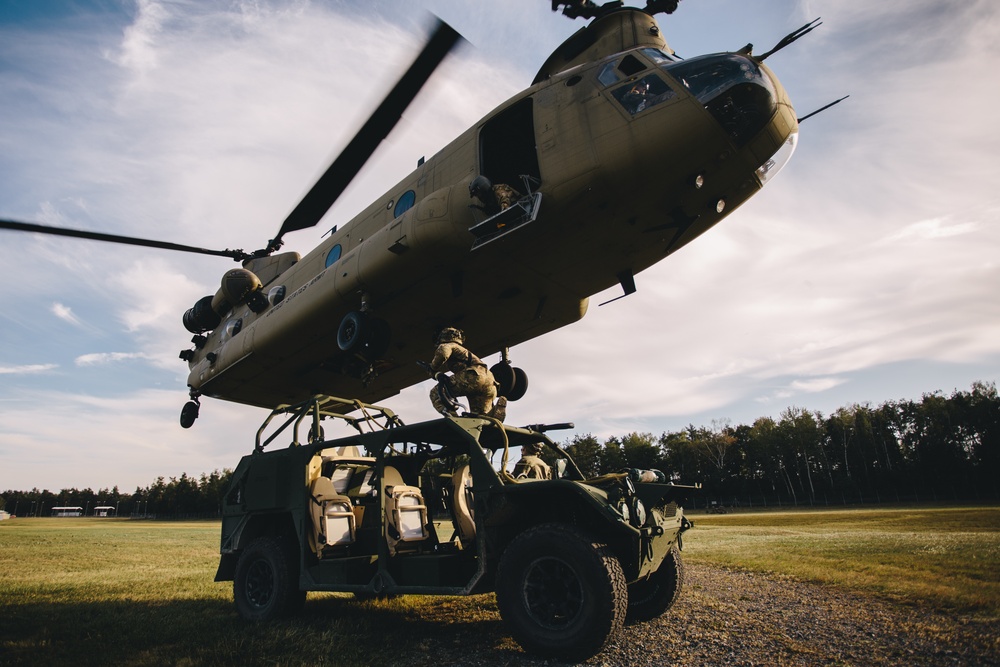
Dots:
pixel 734 89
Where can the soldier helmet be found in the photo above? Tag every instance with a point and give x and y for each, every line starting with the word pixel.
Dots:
pixel 480 185
pixel 451 335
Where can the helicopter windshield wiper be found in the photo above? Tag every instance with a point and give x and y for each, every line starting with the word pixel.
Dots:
pixel 791 37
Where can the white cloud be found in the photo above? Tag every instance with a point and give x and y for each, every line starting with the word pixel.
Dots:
pixel 65 313
pixel 27 369
pixel 100 358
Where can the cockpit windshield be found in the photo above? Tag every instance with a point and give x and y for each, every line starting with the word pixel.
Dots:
pixel 707 77
pixel 732 87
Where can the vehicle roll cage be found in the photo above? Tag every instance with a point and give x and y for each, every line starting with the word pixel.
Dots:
pixel 320 407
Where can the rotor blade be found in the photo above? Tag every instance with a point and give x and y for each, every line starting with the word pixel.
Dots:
pixel 114 238
pixel 331 184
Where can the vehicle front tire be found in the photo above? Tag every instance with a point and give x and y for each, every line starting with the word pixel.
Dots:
pixel 561 594
pixel 266 585
pixel 653 596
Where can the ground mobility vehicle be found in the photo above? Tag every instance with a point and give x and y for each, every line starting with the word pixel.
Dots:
pixel 430 509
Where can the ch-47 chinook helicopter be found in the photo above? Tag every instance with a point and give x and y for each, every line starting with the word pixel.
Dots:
pixel 620 152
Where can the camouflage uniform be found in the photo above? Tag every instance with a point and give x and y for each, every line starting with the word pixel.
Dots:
pixel 495 198
pixel 506 195
pixel 469 377
pixel 531 465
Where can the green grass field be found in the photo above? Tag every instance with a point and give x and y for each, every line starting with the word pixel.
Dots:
pixel 110 591
pixel 947 558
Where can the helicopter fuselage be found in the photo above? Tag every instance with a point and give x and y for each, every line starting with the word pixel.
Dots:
pixel 620 159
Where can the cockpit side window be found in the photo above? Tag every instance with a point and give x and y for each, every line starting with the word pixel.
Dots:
pixel 647 92
pixel 631 65
pixel 614 72
pixel 659 57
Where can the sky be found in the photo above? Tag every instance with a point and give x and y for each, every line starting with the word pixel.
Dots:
pixel 866 271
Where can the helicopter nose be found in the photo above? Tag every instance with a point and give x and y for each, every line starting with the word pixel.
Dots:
pixel 735 89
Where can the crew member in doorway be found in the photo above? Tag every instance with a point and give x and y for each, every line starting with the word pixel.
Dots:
pixel 494 198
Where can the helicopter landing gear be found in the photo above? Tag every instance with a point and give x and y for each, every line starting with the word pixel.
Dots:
pixel 364 340
pixel 189 413
pixel 361 334
pixel 512 380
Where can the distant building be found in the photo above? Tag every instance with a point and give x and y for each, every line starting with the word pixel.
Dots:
pixel 67 511
pixel 4 515
pixel 104 510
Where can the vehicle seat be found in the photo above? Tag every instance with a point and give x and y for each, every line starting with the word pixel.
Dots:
pixel 332 515
pixel 405 513
pixel 462 504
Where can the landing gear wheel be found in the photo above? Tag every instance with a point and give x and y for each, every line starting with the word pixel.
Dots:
pixel 353 332
pixel 266 585
pixel 513 381
pixel 520 385
pixel 503 373
pixel 650 598
pixel 378 339
pixel 189 413
pixel 363 335
pixel 561 594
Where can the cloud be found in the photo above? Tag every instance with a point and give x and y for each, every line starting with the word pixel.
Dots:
pixel 100 358
pixel 65 313
pixel 128 439
pixel 28 369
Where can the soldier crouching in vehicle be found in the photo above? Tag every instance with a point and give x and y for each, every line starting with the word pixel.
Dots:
pixel 469 377
pixel 531 465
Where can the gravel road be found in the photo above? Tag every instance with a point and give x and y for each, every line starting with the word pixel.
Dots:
pixel 733 618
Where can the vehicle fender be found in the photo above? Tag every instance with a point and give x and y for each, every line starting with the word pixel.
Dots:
pixel 249 528
pixel 530 503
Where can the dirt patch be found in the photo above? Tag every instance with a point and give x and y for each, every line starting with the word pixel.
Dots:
pixel 733 618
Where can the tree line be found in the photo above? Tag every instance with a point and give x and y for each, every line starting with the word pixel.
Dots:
pixel 178 496
pixel 938 447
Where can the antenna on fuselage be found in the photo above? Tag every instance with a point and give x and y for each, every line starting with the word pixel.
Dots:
pixel 810 115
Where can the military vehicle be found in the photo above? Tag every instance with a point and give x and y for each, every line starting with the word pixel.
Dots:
pixel 620 152
pixel 432 509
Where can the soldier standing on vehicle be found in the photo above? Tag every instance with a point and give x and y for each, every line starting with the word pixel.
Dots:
pixel 469 377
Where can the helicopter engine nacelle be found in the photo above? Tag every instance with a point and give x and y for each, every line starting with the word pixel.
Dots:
pixel 239 286
pixel 201 317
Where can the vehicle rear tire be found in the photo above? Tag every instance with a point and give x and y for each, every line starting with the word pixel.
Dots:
pixel 653 596
pixel 266 585
pixel 561 594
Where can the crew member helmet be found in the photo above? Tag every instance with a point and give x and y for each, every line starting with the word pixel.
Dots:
pixel 479 186
pixel 451 335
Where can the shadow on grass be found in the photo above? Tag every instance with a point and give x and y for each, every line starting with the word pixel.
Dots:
pixel 330 631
